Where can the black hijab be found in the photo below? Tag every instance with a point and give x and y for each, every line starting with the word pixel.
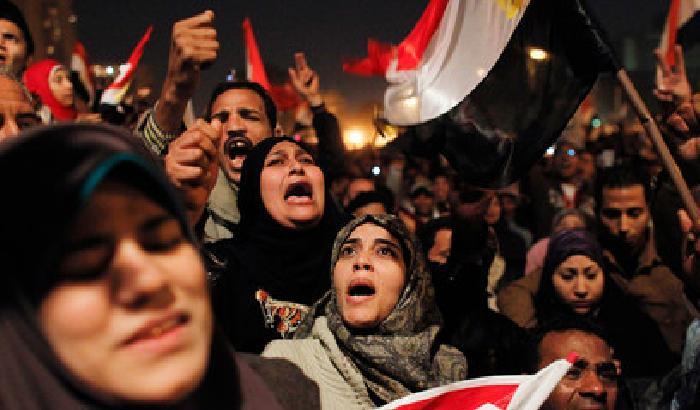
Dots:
pixel 290 264
pixel 48 175
pixel 562 245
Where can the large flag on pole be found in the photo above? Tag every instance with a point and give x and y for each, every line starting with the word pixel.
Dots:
pixel 116 91
pixel 284 96
pixel 497 81
pixel 525 392
pixel 682 27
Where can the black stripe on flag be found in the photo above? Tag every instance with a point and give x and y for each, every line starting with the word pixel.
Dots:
pixel 504 126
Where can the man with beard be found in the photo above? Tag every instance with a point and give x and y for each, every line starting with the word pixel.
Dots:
pixel 630 253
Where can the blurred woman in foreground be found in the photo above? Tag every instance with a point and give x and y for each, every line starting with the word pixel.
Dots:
pixel 105 301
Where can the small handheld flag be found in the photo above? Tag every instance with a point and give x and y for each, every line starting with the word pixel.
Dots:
pixel 284 96
pixel 116 91
pixel 80 65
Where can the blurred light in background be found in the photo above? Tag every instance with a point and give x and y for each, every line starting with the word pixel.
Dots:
pixel 354 138
pixel 537 54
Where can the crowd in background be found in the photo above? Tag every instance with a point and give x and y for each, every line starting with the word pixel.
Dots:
pixel 233 264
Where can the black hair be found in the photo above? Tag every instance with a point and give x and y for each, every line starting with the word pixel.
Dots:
pixel 222 87
pixel 10 12
pixel 371 197
pixel 426 234
pixel 621 176
pixel 560 324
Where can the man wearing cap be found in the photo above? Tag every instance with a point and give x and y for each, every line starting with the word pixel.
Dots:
pixel 16 44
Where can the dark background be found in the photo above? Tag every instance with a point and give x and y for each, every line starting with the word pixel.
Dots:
pixel 326 30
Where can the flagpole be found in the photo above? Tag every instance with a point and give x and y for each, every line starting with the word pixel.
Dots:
pixel 655 134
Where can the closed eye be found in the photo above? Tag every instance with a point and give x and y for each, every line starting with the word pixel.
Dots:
pixel 249 114
pixel 221 116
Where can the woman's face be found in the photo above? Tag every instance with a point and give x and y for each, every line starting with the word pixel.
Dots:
pixel 579 282
pixel 130 316
pixel 61 87
pixel 369 276
pixel 291 186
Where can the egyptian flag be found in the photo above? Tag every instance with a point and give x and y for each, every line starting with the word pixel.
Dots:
pixel 80 67
pixel 682 27
pixel 525 392
pixel 284 96
pixel 115 92
pixel 491 83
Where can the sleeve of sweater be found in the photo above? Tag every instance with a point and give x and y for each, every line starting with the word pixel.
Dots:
pixel 153 137
pixel 331 155
pixel 289 385
pixel 516 300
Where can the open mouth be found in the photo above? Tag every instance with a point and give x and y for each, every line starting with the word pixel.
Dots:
pixel 360 290
pixel 299 192
pixel 237 145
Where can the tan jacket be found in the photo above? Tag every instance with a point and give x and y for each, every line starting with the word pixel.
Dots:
pixel 340 383
pixel 658 292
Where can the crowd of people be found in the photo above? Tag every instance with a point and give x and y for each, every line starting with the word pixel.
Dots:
pixel 232 264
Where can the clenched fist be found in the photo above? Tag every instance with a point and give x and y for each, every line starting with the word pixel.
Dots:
pixel 191 164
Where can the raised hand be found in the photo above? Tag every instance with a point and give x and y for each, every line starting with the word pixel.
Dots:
pixel 672 84
pixel 193 45
pixel 691 249
pixel 192 166
pixel 305 80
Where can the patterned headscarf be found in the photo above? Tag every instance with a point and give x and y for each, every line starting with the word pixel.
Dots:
pixel 401 355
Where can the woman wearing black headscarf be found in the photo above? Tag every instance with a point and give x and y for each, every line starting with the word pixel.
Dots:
pixel 574 282
pixel 266 277
pixel 373 338
pixel 104 298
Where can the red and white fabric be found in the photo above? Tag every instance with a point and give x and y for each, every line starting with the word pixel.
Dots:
pixel 114 94
pixel 524 392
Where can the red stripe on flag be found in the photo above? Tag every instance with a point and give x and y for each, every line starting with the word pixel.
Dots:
pixel 375 64
pixel 409 52
pixel 467 399
pixel 133 60
pixel 672 25
pixel 256 69
pixel 413 46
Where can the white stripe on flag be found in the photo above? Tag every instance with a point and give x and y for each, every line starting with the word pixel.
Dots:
pixel 519 392
pixel 469 40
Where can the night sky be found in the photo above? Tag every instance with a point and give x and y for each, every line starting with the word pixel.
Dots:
pixel 326 30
